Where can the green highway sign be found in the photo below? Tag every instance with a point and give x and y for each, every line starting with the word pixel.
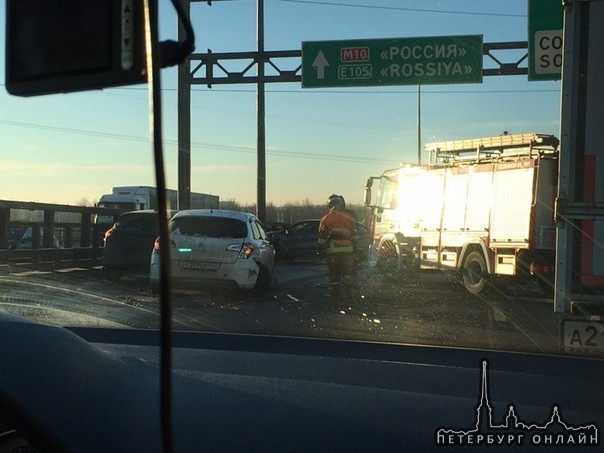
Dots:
pixel 545 41
pixel 397 61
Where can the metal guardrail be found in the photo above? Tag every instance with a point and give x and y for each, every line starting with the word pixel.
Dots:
pixel 80 238
pixel 52 259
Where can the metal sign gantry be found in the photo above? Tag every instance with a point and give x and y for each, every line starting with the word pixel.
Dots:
pixel 261 67
pixel 211 68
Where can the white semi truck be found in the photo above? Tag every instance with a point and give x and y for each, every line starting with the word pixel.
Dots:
pixel 481 207
pixel 137 198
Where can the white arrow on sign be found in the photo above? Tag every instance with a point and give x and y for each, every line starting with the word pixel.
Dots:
pixel 320 64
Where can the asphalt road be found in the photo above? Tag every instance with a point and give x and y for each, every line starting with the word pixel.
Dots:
pixel 433 310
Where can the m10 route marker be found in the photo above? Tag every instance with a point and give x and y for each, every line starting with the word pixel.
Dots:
pixel 398 61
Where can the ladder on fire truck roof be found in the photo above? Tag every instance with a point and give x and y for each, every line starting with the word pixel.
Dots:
pixel 491 148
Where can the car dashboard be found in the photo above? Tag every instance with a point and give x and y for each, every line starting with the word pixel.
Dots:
pixel 94 389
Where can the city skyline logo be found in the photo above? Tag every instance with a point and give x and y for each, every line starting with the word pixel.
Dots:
pixel 513 431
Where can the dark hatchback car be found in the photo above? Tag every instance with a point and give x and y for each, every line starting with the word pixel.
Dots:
pixel 129 242
pixel 300 240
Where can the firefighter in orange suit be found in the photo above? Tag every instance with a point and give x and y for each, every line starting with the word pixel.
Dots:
pixel 337 231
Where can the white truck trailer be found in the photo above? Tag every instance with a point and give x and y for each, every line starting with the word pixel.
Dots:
pixel 481 207
pixel 137 198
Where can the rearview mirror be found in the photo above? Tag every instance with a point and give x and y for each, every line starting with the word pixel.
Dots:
pixel 367 196
pixel 58 46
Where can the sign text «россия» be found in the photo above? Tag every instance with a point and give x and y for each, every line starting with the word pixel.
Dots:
pixel 400 61
pixel 418 61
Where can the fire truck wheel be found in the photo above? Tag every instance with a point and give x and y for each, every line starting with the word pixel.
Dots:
pixel 388 262
pixel 475 273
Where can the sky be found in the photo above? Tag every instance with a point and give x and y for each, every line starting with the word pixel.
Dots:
pixel 67 147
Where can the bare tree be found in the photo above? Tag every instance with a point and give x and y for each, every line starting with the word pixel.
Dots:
pixel 85 202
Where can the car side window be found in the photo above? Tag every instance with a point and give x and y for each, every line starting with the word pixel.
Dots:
pixel 308 228
pixel 300 228
pixel 263 234
pixel 257 230
pixel 313 228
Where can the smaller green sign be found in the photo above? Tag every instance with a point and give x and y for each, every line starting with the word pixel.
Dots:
pixel 399 61
pixel 545 41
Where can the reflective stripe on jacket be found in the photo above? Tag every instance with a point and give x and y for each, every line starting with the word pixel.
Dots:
pixel 336 230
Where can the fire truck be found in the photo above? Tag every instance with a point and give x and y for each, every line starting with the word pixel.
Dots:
pixel 481 207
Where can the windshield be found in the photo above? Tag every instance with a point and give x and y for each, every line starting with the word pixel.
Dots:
pixel 464 239
pixel 388 192
pixel 324 213
pixel 208 226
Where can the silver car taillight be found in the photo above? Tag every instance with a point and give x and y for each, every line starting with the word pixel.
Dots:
pixel 244 250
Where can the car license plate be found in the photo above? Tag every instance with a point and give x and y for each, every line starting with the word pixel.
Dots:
pixel 199 266
pixel 583 337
